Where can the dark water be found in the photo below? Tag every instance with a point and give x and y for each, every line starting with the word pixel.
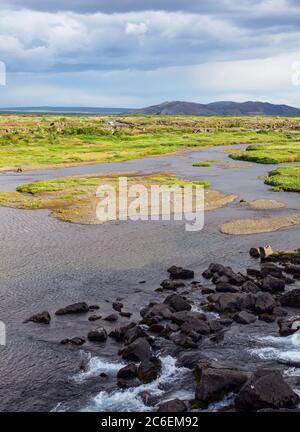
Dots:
pixel 46 264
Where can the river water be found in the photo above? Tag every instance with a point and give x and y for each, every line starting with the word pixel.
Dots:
pixel 46 264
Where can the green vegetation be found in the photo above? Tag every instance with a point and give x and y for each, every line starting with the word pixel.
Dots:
pixel 285 178
pixel 270 153
pixel 32 142
pixel 204 164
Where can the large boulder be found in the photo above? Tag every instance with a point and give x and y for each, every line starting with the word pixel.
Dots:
pixel 118 333
pixel 41 318
pixel 131 334
pixel 149 370
pixel 227 302
pixel 244 317
pixel 183 316
pixel 291 298
pixel 264 303
pixel 156 309
pixel 270 269
pixel 288 327
pixel 175 405
pixel 177 303
pixel 226 287
pixel 273 284
pixel 137 351
pixel 98 335
pixel 215 383
pixel 74 308
pixel 180 273
pixel 266 389
pixel 128 372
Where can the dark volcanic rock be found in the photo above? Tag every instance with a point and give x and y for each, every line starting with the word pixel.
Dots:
pixel 171 285
pixel 288 327
pixel 250 287
pixel 226 287
pixel 270 269
pixel 264 303
pixel 244 317
pixel 180 273
pixel 111 318
pixel 185 341
pixel 175 405
pixel 177 303
pixel 74 308
pixel 41 318
pixel 138 350
pixel 266 389
pixel 128 372
pixel 118 333
pixel 131 334
pixel 156 309
pixel 254 253
pixel 149 370
pixel 125 314
pixel 117 306
pixel 78 341
pixel 95 317
pixel 273 284
pixel 291 298
pixel 214 384
pixel 98 335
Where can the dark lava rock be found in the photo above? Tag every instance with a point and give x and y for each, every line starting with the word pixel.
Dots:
pixel 41 318
pixel 131 334
pixel 293 269
pixel 75 308
pixel 177 303
pixel 226 287
pixel 175 405
pixel 156 309
pixel 128 372
pixel 266 389
pixel 111 318
pixel 149 370
pixel 138 350
pixel 273 284
pixel 264 303
pixel 78 341
pixel 125 314
pixel 157 328
pixel 94 307
pixel 180 273
pixel 118 333
pixel 185 341
pixel 268 318
pixel 288 327
pixel 95 317
pixel 127 383
pixel 291 298
pixel 214 384
pixel 192 324
pixel 254 253
pixel 279 312
pixel 253 273
pixel 97 335
pixel 250 287
pixel 212 269
pixel 171 285
pixel 117 306
pixel 244 317
pixel 226 302
pixel 206 291
pixel 270 269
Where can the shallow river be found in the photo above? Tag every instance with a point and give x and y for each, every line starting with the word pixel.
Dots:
pixel 46 264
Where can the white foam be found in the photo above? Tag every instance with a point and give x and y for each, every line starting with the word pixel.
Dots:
pixel 208 314
pixel 128 399
pixel 279 348
pixel 95 366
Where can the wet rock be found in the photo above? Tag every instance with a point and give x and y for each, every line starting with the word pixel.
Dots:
pixel 206 291
pixel 270 269
pixel 177 303
pixel 78 341
pixel 94 307
pixel 244 318
pixel 215 325
pixel 212 269
pixel 184 341
pixel 250 287
pixel 171 285
pixel 253 273
pixel 128 372
pixel 254 252
pixel 98 335
pixel 127 383
pixel 41 318
pixel 264 303
pixel 192 324
pixel 156 309
pixel 117 306
pixel 149 370
pixel 180 273
pixel 157 328
pixel 227 302
pixel 125 314
pixel 291 298
pixel 268 318
pixel 146 397
pixel 95 317
pixel 131 334
pixel 175 405
pixel 288 327
pixel 111 318
pixel 293 269
pixel 118 333
pixel 138 350
pixel 226 287
pixel 273 284
pixel 214 384
pixel 266 389
pixel 279 312
pixel 75 308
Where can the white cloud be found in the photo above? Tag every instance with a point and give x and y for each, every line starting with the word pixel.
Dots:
pixel 136 28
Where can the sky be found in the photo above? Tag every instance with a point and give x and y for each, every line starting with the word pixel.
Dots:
pixel 135 53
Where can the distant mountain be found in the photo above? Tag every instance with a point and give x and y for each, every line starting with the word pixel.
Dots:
pixel 220 109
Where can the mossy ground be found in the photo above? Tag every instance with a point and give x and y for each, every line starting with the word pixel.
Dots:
pixel 285 179
pixel 39 141
pixel 270 154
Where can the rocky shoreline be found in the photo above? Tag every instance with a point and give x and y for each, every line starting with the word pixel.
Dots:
pixel 179 326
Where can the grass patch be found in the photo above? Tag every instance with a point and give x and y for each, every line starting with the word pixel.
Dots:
pixel 285 179
pixel 270 154
pixel 32 141
pixel 204 164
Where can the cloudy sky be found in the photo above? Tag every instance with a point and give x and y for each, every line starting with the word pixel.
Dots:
pixel 133 53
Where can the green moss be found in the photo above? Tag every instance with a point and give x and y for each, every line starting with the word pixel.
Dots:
pixel 202 164
pixel 270 154
pixel 285 178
